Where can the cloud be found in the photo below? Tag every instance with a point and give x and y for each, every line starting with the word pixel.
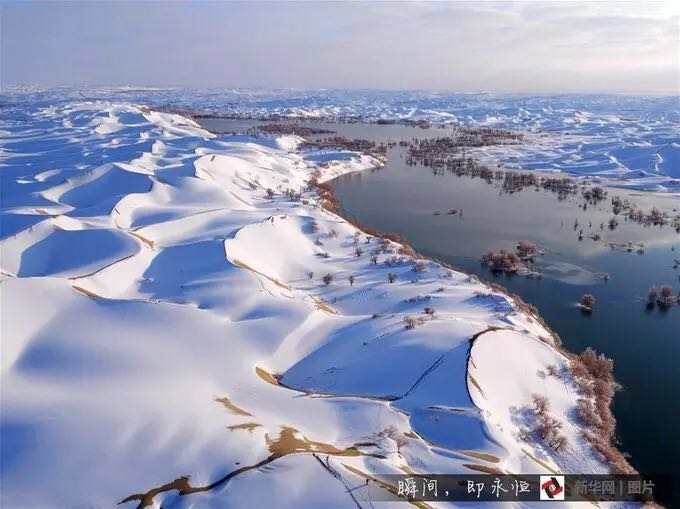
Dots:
pixel 461 46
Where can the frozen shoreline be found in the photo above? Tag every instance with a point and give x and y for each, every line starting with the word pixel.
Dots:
pixel 202 295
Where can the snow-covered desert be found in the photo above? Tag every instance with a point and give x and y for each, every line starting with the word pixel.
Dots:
pixel 332 255
pixel 184 324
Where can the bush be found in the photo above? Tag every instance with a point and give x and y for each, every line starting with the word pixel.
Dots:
pixel 540 404
pixel 393 260
pixel 358 252
pixel 411 322
pixel 587 413
pixel 270 193
pixel 310 275
pixel 429 311
pixel 327 279
pixel 552 370
pixel 418 267
pixel 391 277
pixel 593 374
pixel 407 250
pixel 548 426
pixel 652 295
pixel 374 259
pixel 524 434
pixel 502 261
pixel 351 280
pixel 526 249
pixel 587 301
pixel 666 296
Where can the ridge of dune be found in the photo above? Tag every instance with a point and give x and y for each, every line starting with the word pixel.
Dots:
pixel 170 290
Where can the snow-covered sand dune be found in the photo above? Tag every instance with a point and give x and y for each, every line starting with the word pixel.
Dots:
pixel 166 330
pixel 631 140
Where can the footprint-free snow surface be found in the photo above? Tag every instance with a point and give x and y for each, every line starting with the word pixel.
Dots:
pixel 171 335
pixel 632 141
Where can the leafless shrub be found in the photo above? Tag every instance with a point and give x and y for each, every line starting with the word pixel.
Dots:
pixel 391 261
pixel 351 280
pixel 392 433
pixel 552 370
pixel 407 250
pixel 524 434
pixel 418 298
pixel 429 311
pixel 617 461
pixel 418 267
pixel 502 261
pixel 593 374
pixel 374 259
pixel 666 297
pixel 548 426
pixel 391 277
pixel 526 249
pixel 270 193
pixel 310 275
pixel 358 252
pixel 332 234
pixel 558 442
pixel 327 279
pixel 314 227
pixel 282 129
pixel 587 302
pixel 652 295
pixel 540 404
pixel 411 322
pixel 587 413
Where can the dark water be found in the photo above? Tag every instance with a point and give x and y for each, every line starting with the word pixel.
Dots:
pixel 645 344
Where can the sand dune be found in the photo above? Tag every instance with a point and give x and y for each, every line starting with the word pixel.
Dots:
pixel 167 283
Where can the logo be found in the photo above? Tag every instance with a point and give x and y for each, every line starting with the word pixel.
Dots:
pixel 552 487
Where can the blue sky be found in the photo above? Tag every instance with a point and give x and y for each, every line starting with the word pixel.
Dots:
pixel 541 47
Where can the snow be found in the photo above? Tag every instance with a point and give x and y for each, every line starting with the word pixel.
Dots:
pixel 631 139
pixel 146 276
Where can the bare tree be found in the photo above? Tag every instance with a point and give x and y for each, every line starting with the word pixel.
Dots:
pixel 540 404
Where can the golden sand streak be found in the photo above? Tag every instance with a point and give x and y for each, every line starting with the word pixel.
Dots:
pixel 266 376
pixel 484 468
pixel 249 426
pixel 481 456
pixel 288 442
pixel 232 408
